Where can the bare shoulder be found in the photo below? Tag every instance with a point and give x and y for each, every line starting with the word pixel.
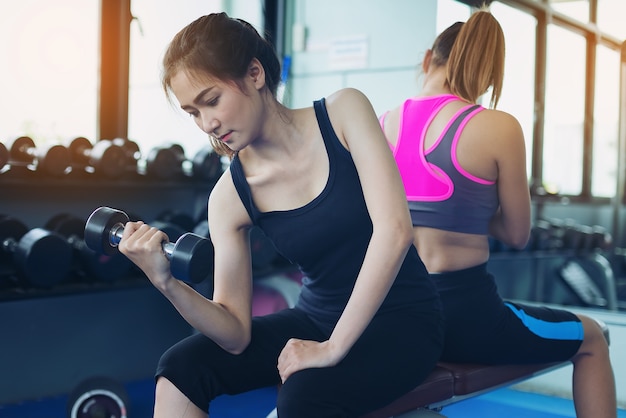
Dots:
pixel 346 100
pixel 225 206
pixel 503 121
pixel 350 110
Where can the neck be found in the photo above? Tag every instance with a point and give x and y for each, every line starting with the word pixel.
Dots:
pixel 435 83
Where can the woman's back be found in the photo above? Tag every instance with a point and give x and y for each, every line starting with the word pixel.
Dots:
pixel 486 152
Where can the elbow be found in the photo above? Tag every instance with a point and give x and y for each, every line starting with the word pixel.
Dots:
pixel 403 234
pixel 237 347
pixel 520 240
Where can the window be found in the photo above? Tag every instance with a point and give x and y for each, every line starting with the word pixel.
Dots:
pixel 49 72
pixel 611 17
pixel 577 9
pixel 564 111
pixel 519 72
pixel 152 120
pixel 606 123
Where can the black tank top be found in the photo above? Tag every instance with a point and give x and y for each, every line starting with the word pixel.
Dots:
pixel 328 237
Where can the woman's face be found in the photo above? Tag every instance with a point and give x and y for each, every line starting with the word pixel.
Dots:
pixel 221 109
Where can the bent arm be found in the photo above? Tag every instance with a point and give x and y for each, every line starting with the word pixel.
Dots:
pixel 227 318
pixel 511 223
pixel 355 121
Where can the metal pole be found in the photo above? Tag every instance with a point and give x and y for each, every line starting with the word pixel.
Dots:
pixel 621 146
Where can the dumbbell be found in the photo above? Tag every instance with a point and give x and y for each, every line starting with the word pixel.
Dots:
pixel 52 159
pixel 131 150
pixel 43 257
pixel 169 161
pixel 191 256
pixel 102 267
pixel 103 157
pixel 207 164
pixel 4 155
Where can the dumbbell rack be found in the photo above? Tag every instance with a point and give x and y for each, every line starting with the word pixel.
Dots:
pixel 55 338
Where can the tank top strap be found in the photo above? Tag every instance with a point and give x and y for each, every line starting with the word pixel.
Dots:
pixel 243 188
pixel 450 132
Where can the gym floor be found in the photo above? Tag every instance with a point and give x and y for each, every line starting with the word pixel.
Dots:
pixel 257 404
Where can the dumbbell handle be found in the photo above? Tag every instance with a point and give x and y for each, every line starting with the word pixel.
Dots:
pixel 8 244
pixel 117 231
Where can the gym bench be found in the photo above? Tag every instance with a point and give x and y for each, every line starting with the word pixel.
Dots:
pixel 450 382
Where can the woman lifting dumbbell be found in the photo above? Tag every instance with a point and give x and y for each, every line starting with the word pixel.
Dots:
pixel 456 157
pixel 322 184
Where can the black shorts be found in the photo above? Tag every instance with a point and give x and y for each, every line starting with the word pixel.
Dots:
pixel 394 354
pixel 482 328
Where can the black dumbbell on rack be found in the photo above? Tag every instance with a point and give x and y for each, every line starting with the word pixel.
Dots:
pixel 51 159
pixel 161 162
pixel 168 161
pixel 100 267
pixel 43 258
pixel 4 155
pixel 207 164
pixel 191 256
pixel 103 157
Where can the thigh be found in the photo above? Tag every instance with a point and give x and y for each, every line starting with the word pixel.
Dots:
pixel 202 370
pixel 395 353
pixel 482 328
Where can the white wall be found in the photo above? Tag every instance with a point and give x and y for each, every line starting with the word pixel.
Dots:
pixel 390 37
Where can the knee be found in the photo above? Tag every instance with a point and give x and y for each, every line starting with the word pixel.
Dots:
pixel 294 402
pixel 289 403
pixel 595 340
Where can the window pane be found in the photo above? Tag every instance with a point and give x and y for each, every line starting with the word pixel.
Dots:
pixel 449 12
pixel 577 9
pixel 611 15
pixel 606 124
pixel 519 73
pixel 564 111
pixel 152 120
pixel 49 71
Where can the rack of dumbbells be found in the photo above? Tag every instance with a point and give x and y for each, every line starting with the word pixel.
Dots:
pixel 70 313
pixel 564 262
pixel 49 191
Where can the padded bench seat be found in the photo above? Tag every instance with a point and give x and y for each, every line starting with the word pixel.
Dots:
pixel 450 382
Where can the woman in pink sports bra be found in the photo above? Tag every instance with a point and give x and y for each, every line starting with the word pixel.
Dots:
pixel 464 172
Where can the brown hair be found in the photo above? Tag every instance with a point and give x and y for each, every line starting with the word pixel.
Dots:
pixel 473 53
pixel 222 47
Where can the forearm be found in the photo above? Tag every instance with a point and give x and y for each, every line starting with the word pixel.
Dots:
pixel 208 317
pixel 512 232
pixel 382 262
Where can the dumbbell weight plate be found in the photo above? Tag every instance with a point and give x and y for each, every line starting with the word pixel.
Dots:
pixel 77 148
pixel 43 257
pixel 192 258
pixel 53 159
pixel 102 267
pixel 98 397
pixel 163 163
pixel 4 155
pixel 98 227
pixel 207 164
pixel 108 159
pixel 18 146
pixel 10 228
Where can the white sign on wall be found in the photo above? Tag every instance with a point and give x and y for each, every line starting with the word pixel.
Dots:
pixel 350 53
